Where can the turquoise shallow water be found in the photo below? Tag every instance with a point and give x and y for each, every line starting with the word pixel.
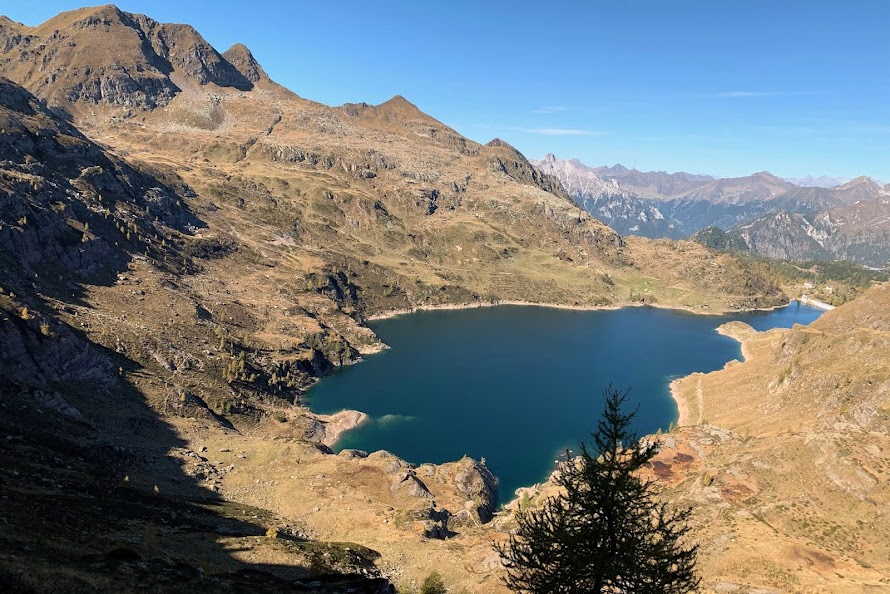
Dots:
pixel 517 385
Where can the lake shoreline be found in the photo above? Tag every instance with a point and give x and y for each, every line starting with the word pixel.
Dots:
pixel 337 424
pixel 738 331
pixel 740 335
pixel 612 307
pixel 684 404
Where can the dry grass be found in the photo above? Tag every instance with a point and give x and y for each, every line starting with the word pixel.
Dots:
pixel 801 480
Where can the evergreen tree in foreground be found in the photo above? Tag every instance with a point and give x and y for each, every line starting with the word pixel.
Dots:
pixel 607 533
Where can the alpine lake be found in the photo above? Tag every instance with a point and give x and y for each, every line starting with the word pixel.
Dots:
pixel 519 385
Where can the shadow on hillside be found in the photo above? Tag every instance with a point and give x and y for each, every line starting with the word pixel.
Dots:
pixel 71 211
pixel 97 490
pixel 101 500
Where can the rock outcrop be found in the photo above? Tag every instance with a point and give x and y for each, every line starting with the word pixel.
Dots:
pixel 240 57
pixel 476 482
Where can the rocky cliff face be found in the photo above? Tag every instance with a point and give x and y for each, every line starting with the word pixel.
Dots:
pixel 61 195
pixel 508 160
pixel 240 57
pixel 606 200
pixel 785 236
pixel 858 233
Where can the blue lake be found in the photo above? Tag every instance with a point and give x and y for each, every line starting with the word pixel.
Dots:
pixel 517 385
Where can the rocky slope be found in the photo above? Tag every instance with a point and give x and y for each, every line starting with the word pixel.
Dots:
pixel 784 457
pixel 186 246
pixel 858 233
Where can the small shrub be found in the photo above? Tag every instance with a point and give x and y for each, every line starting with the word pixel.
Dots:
pixel 44 329
pixel 433 584
pixel 26 315
pixel 524 502
pixel 280 418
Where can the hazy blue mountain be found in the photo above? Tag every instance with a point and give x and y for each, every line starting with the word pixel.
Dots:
pixel 821 181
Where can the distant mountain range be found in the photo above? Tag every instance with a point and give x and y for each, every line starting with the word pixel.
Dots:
pixel 652 184
pixel 858 233
pixel 627 212
pixel 760 212
pixel 821 181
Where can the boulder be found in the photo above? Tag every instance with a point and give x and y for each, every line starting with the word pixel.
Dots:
pixel 407 482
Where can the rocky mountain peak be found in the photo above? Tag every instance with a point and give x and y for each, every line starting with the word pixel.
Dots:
pixel 398 103
pixel 242 59
pixel 190 54
pixel 769 176
pixel 495 142
pixel 862 180
pixel 105 56
pixel 399 114
pixel 87 18
pixel 858 189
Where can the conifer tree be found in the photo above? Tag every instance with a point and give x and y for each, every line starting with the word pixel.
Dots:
pixel 607 532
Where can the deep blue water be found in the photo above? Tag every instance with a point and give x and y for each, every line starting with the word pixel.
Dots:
pixel 517 385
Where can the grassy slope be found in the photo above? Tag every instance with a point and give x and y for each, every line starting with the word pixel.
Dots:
pixel 796 481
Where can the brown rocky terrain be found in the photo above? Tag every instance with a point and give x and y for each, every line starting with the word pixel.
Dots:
pixel 186 246
pixel 789 470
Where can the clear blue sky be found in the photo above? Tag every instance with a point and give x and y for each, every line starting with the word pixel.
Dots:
pixel 726 87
